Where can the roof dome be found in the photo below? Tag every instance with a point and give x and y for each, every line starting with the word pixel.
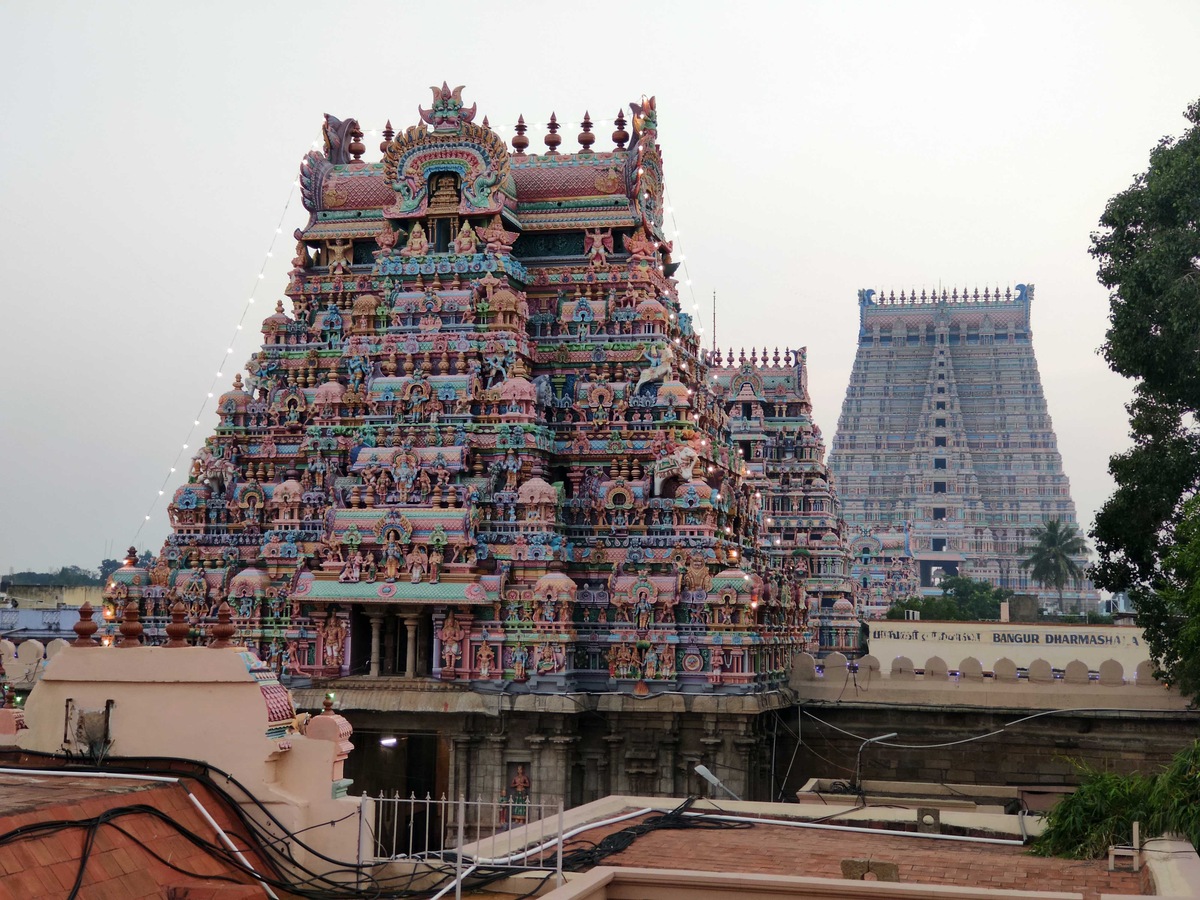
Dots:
pixel 843 606
pixel 675 391
pixel 365 305
pixel 288 491
pixel 187 496
pixel 518 388
pixel 537 491
pixel 131 575
pixel 237 397
pixel 250 580
pixel 277 319
pixel 555 582
pixel 702 489
pixel 742 582
pixel 330 392
pixel 651 309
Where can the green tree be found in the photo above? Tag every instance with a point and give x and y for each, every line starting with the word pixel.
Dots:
pixel 107 567
pixel 962 600
pixel 70 576
pixel 1051 560
pixel 1148 250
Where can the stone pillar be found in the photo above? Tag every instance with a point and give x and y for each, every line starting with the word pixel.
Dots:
pixel 669 747
pixel 745 748
pixel 617 782
pixel 537 771
pixel 562 744
pixel 376 618
pixel 389 644
pixel 410 660
pixel 493 779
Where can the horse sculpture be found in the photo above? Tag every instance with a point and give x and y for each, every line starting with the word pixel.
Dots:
pixel 661 357
pixel 682 463
pixel 215 471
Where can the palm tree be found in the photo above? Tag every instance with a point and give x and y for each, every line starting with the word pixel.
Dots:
pixel 1051 560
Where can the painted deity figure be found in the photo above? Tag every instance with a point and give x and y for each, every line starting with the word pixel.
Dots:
pixel 333 638
pixel 435 565
pixel 418 563
pixel 520 659
pixel 392 555
pixel 520 784
pixel 650 663
pixel 464 242
pixel 451 635
pixel 512 468
pixel 418 243
pixel 643 610
pixel 484 659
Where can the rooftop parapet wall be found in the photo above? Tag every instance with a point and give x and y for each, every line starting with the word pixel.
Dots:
pixel 966 307
pixel 967 683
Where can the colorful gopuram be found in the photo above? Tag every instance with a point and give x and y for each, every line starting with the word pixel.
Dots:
pixel 945 439
pixel 480 442
pixel 782 455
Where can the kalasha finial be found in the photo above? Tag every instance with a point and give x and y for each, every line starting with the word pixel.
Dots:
pixel 486 124
pixel 520 142
pixel 388 134
pixel 179 629
pixel 327 703
pixel 224 629
pixel 357 147
pixel 620 136
pixel 131 627
pixel 586 138
pixel 553 139
pixel 131 556
pixel 85 627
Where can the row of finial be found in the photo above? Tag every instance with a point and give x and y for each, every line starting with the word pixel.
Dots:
pixel 520 142
pixel 553 139
pixel 177 631
pixel 754 359
pixel 988 295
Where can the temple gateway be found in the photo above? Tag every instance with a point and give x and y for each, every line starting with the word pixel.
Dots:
pixel 482 482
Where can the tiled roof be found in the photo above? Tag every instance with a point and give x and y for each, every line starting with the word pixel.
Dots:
pixel 120 866
pixel 782 850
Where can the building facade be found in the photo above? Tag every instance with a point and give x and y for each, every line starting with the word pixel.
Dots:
pixel 945 436
pixel 480 463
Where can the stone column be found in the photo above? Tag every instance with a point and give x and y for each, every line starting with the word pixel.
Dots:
pixel 410 660
pixel 562 744
pixel 376 617
pixel 389 645
pixel 617 780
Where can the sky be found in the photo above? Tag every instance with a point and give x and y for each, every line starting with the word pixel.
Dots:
pixel 811 149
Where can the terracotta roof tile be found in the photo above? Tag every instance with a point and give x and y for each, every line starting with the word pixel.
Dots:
pixel 781 850
pixel 45 865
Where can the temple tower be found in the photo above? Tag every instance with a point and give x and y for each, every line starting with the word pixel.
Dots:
pixel 945 437
pixel 782 454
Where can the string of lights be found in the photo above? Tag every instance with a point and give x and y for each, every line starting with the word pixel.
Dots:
pixel 220 370
pixel 682 258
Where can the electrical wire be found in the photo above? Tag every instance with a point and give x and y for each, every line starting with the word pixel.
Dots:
pixel 276 851
pixel 978 737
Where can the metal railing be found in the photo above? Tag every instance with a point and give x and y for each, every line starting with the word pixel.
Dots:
pixel 509 833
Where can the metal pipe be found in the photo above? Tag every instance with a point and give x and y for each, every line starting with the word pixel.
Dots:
pixel 850 828
pixel 229 843
pixel 75 773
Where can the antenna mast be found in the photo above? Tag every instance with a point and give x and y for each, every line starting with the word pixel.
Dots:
pixel 714 327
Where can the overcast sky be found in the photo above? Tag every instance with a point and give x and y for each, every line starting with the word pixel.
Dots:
pixel 811 149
